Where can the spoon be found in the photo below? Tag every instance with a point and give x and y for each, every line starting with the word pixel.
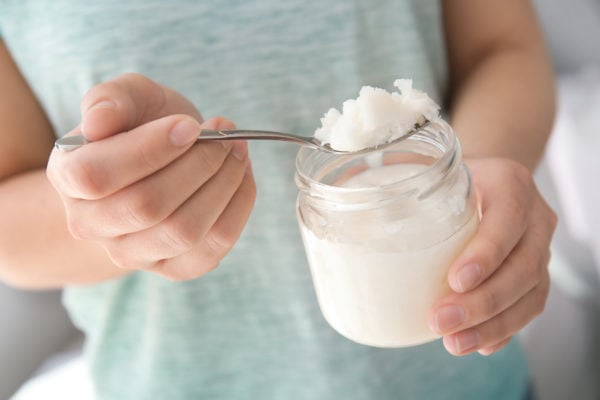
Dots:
pixel 69 143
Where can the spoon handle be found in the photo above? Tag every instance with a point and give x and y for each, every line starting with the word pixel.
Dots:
pixel 245 134
pixel 70 143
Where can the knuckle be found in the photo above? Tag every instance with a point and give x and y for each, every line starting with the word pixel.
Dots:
pixel 77 222
pixel 101 89
pixel 489 304
pixel 152 160
pixel 84 181
pixel 156 99
pixel 110 89
pixel 121 258
pixel 493 249
pixel 143 210
pixel 134 77
pixel 501 328
pixel 211 161
pixel 165 269
pixel 77 229
pixel 521 173
pixel 220 240
pixel 118 259
pixel 517 174
pixel 122 88
pixel 516 208
pixel 532 266
pixel 121 261
pixel 180 235
pixel 95 92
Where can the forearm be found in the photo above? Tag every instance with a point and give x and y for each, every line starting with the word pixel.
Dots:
pixel 36 249
pixel 505 107
pixel 502 96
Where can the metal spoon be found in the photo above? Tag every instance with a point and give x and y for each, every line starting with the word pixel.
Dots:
pixel 69 143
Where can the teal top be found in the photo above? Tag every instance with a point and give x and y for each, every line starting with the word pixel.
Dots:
pixel 252 328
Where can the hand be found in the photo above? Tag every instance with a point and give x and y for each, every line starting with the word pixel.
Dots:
pixel 501 280
pixel 144 190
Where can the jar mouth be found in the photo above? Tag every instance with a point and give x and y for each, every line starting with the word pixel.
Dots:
pixel 434 146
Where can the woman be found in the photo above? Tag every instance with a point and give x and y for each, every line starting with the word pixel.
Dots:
pixel 149 204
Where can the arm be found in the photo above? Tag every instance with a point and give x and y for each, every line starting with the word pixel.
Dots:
pixel 502 87
pixel 36 249
pixel 502 105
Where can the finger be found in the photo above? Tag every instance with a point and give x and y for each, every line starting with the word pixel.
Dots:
pixel 218 241
pixel 505 209
pixel 524 269
pixel 101 168
pixel 148 202
pixel 128 101
pixel 227 229
pixel 486 351
pixel 189 224
pixel 492 335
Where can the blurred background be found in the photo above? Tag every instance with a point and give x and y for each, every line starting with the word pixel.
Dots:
pixel 37 339
pixel 562 344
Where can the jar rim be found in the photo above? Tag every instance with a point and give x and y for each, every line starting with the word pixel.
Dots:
pixel 437 134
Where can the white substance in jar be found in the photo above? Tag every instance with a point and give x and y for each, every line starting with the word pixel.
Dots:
pixel 380 247
pixel 376 117
pixel 377 289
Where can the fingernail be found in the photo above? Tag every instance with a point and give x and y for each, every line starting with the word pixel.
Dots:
pixel 184 132
pixel 106 104
pixel 449 317
pixel 239 150
pixel 486 352
pixel 468 276
pixel 466 340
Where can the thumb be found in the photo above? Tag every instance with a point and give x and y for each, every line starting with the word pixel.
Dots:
pixel 126 102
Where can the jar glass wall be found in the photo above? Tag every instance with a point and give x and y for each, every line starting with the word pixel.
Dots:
pixel 381 230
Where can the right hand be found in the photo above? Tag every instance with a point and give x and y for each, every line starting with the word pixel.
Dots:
pixel 144 190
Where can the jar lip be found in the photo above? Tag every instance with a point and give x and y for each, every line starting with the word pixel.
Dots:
pixel 449 157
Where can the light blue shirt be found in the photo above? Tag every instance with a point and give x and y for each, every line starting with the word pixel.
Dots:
pixel 250 329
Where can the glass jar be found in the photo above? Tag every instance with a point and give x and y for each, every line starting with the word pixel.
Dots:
pixel 380 231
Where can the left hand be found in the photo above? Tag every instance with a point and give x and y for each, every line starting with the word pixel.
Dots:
pixel 500 280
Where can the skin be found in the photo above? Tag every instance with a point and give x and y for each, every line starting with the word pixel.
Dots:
pixel 92 206
pixel 497 48
pixel 126 182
